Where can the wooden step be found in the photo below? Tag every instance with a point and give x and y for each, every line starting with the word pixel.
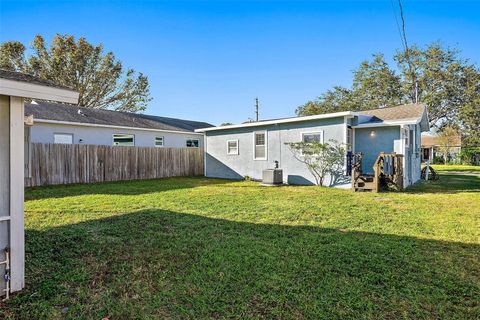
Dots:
pixel 365 186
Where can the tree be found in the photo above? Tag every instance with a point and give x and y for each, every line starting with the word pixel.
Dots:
pixel 442 77
pixel 447 140
pixel 446 83
pixel 321 159
pixel 376 85
pixel 99 77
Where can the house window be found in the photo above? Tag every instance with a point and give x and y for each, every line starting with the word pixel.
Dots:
pixel 232 147
pixel 124 140
pixel 260 140
pixel 406 134
pixel 312 137
pixel 158 142
pixel 349 139
pixel 192 143
pixel 63 138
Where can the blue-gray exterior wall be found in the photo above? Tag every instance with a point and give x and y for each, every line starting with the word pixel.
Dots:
pixel 44 133
pixel 390 139
pixel 371 146
pixel 221 165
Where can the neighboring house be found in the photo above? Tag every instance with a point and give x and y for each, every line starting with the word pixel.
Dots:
pixel 431 148
pixel 238 151
pixel 62 123
pixel 14 87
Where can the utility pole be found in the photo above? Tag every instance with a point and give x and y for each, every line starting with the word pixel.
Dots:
pixel 256 109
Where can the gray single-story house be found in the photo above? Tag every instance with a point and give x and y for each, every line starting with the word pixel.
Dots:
pixel 14 88
pixel 69 124
pixel 245 150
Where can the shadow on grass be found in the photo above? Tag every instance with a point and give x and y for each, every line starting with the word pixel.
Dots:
pixel 448 183
pixel 131 187
pixel 161 264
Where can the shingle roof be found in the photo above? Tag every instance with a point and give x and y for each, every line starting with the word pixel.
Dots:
pixel 70 113
pixel 398 113
pixel 23 77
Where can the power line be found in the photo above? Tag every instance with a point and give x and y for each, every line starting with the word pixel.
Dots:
pixel 398 24
pixel 403 39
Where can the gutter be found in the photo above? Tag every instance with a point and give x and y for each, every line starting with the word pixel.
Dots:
pixel 278 121
pixel 112 126
pixel 386 124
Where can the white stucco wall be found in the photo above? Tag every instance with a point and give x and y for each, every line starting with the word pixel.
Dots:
pixel 44 133
pixel 221 165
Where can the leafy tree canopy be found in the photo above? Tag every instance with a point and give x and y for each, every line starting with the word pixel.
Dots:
pixel 99 77
pixel 446 83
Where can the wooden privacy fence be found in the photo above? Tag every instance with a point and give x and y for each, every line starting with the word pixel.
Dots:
pixel 75 163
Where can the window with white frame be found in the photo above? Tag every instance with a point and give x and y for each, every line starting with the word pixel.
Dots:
pixel 159 142
pixel 260 145
pixel 124 140
pixel 63 138
pixel 193 143
pixel 232 147
pixel 406 135
pixel 309 137
pixel 349 139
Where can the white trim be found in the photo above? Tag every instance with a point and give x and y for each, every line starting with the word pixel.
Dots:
pixel 266 145
pixel 387 123
pixel 286 120
pixel 122 134
pixel 17 171
pixel 155 141
pixel 4 218
pixel 353 140
pixel 63 134
pixel 232 154
pixel 111 126
pixel 205 155
pixel 192 140
pixel 37 91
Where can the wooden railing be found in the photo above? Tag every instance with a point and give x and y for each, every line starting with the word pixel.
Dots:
pixel 356 169
pixel 388 168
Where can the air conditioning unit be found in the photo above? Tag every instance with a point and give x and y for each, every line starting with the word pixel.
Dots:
pixel 272 176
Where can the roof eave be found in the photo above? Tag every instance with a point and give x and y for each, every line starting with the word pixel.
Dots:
pixel 37 91
pixel 272 122
pixel 86 124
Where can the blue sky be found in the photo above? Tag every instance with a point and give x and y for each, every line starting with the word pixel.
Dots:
pixel 208 60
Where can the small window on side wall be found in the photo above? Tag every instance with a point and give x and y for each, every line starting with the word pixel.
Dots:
pixel 124 140
pixel 63 138
pixel 260 148
pixel 193 143
pixel 232 147
pixel 312 137
pixel 159 142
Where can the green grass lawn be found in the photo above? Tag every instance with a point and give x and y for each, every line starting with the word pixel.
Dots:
pixel 197 248
pixel 455 167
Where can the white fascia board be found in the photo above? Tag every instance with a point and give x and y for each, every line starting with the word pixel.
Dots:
pixel 37 91
pixel 111 126
pixel 286 120
pixel 386 124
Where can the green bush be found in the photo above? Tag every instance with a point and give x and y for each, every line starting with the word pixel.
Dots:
pixel 438 160
pixel 467 155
